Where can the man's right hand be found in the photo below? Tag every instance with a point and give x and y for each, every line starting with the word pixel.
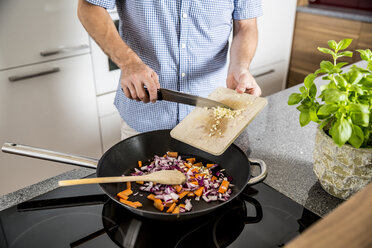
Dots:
pixel 136 75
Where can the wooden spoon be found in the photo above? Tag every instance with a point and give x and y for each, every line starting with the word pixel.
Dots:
pixel 169 177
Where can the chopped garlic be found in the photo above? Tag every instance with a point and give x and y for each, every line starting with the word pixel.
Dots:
pixel 220 113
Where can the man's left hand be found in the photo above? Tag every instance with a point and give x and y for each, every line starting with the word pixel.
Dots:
pixel 242 81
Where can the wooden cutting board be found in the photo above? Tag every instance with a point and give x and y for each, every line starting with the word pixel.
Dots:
pixel 200 128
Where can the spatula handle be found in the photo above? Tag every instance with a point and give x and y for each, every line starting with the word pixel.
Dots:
pixel 101 180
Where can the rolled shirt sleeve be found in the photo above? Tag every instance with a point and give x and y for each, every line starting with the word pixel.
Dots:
pixel 107 4
pixel 247 9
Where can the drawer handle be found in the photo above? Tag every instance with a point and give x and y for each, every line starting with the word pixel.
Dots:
pixel 264 73
pixel 35 74
pixel 63 49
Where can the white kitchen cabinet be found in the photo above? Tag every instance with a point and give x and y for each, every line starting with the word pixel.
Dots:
pixel 270 77
pixel 55 111
pixel 275 31
pixel 39 30
pixel 109 120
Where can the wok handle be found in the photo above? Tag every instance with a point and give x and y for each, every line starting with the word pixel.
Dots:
pixel 34 152
pixel 263 169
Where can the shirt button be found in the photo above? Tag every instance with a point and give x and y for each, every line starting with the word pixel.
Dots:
pixel 183 45
pixel 184 15
pixel 183 74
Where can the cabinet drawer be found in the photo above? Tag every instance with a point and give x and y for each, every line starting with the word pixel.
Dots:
pixel 106 104
pixel 110 130
pixel 39 30
pixel 55 111
pixel 271 78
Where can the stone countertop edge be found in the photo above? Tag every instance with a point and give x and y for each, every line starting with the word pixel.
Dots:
pixel 338 12
pixel 40 188
pixel 274 136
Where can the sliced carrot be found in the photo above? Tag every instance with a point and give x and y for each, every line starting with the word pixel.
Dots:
pixel 171 208
pixel 195 182
pixel 178 188
pixel 199 164
pixel 223 187
pixel 129 203
pixel 127 192
pixel 140 182
pixel 176 210
pixel 172 154
pixel 140 164
pixel 121 195
pixel 187 165
pixel 158 201
pixel 214 178
pixel 210 165
pixel 191 160
pixel 191 194
pixel 183 194
pixel 158 205
pixel 138 204
pixel 151 197
pixel 199 191
pixel 129 186
pixel 199 175
pixel 195 170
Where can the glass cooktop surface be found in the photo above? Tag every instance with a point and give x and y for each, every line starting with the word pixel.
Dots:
pixel 83 216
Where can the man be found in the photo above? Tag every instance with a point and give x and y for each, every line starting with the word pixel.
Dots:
pixel 175 44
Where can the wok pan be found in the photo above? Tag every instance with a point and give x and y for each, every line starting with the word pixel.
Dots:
pixel 123 157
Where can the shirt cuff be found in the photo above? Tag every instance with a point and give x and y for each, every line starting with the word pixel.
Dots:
pixel 107 4
pixel 252 10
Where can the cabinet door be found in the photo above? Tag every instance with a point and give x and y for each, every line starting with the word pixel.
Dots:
pixel 271 78
pixel 39 30
pixel 55 111
pixel 275 30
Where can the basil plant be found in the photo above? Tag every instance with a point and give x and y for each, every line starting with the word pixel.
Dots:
pixel 343 108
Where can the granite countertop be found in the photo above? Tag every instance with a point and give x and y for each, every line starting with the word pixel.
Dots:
pixel 337 12
pixel 274 136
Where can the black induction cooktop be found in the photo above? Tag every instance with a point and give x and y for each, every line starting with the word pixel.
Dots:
pixel 83 216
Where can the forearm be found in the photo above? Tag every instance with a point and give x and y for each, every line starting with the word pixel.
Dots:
pixel 101 28
pixel 244 43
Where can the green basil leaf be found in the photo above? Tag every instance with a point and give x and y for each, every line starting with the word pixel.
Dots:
pixel 304 118
pixel 334 96
pixel 327 109
pixel 360 119
pixel 341 132
pixel 355 76
pixel 340 80
pixel 319 71
pixel 369 66
pixel 309 80
pixel 294 99
pixel 303 108
pixel 341 64
pixel 357 89
pixel 365 54
pixel 326 65
pixel 303 90
pixel 326 50
pixel 357 136
pixel 332 44
pixel 313 115
pixel 346 53
pixel 344 44
pixel 367 82
pixel 312 91
pixel 354 107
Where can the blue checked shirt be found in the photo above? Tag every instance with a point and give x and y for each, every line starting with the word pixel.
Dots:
pixel 185 42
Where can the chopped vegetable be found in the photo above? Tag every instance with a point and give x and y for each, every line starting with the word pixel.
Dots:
pixel 171 208
pixel 129 186
pixel 172 154
pixel 129 203
pixel 207 182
